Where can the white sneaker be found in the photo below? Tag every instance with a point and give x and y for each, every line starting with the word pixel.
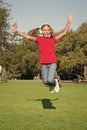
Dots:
pixel 56 86
pixel 51 89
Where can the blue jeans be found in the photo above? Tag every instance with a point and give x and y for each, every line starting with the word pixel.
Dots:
pixel 48 73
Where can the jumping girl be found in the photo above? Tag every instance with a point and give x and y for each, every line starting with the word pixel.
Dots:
pixel 46 44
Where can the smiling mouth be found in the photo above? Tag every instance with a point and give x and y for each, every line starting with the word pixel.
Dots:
pixel 47 35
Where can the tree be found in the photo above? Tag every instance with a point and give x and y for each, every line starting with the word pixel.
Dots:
pixel 72 53
pixel 30 59
pixel 4 20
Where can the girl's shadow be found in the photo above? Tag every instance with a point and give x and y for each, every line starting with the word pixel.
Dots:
pixel 47 103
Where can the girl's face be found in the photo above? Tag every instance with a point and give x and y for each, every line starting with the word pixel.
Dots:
pixel 46 31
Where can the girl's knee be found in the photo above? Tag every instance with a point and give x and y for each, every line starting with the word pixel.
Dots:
pixel 45 82
pixel 51 82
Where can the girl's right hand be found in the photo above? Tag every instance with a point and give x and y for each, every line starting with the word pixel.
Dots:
pixel 13 29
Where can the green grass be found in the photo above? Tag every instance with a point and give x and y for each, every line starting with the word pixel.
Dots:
pixel 28 105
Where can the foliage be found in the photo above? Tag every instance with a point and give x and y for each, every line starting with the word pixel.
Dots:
pixel 72 53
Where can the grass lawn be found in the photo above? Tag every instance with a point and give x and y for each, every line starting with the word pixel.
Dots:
pixel 28 105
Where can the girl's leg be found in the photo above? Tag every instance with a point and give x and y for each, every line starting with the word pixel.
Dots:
pixel 48 73
pixel 45 70
pixel 51 78
pixel 51 75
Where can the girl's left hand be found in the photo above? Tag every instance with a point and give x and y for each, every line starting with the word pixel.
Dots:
pixel 70 17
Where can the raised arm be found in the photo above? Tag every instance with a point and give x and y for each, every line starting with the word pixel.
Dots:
pixel 14 30
pixel 64 32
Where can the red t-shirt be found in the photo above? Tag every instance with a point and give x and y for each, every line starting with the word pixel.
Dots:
pixel 46 49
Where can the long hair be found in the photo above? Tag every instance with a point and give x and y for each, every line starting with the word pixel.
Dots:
pixel 34 32
pixel 38 31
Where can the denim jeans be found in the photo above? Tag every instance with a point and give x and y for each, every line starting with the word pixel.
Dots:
pixel 48 73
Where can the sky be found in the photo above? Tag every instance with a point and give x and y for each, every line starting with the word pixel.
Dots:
pixel 29 14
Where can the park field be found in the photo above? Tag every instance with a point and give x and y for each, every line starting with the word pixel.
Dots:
pixel 28 105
